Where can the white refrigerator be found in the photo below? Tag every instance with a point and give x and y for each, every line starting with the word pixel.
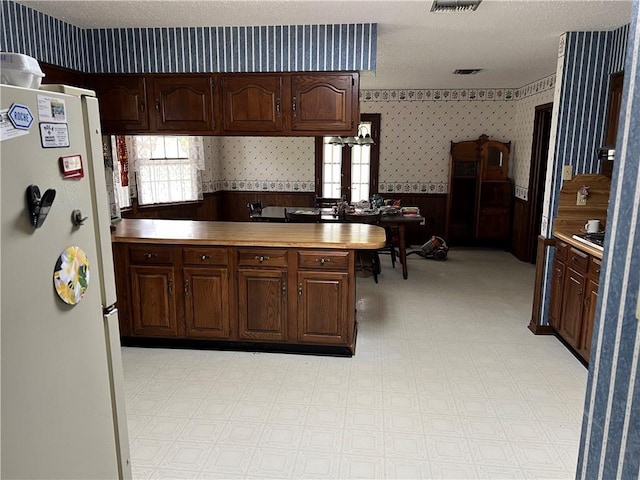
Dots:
pixel 63 411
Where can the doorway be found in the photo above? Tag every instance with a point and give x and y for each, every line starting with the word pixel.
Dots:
pixel 537 176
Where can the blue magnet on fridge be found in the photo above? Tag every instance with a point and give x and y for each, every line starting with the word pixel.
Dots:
pixel 20 116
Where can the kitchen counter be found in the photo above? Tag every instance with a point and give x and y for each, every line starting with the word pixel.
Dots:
pixel 250 234
pixel 567 238
pixel 245 285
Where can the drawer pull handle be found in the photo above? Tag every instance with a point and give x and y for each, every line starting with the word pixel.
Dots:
pixel 300 290
pixel 261 258
pixel 171 287
pixel 322 261
pixel 574 258
pixel 284 289
pixel 205 257
pixel 186 288
pixel 598 270
pixel 150 255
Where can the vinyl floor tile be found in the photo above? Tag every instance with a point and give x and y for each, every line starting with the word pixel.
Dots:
pixel 447 382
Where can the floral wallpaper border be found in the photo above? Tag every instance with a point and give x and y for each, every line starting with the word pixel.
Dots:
pixel 492 94
pixel 260 185
pixel 412 187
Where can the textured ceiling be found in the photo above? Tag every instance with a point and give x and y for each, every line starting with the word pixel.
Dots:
pixel 514 42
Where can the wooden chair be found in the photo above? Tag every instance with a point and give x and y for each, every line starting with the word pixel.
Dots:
pixel 255 207
pixel 371 219
pixel 326 202
pixel 294 217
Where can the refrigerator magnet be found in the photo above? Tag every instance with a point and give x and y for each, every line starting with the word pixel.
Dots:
pixel 71 166
pixel 71 275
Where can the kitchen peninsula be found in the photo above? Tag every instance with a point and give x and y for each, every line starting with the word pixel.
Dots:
pixel 248 285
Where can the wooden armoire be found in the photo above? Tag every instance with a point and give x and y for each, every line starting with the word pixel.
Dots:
pixel 480 193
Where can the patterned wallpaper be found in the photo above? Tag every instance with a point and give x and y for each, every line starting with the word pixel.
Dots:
pixel 194 49
pixel 267 163
pixel 416 136
pixel 522 136
pixel 610 441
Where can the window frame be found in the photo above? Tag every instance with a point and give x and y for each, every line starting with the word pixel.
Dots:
pixel 374 158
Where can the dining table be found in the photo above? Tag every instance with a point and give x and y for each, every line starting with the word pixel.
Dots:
pixel 387 221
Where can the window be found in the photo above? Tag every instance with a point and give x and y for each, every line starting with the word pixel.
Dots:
pixel 346 171
pixel 168 168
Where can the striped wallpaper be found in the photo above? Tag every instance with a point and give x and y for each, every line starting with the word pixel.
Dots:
pixel 586 59
pixel 191 49
pixel 610 443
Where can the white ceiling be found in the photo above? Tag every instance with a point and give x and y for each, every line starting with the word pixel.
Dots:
pixel 515 42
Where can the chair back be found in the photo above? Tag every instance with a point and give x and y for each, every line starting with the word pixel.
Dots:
pixel 326 202
pixel 302 217
pixel 370 218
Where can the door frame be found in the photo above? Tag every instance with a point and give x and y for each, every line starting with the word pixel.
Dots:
pixel 537 176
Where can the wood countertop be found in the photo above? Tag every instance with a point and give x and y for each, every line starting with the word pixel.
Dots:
pixel 567 238
pixel 251 234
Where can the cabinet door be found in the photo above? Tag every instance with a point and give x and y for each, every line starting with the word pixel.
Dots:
pixel 588 319
pixel 123 102
pixel 252 103
pixel 555 303
pixel 323 312
pixel 572 298
pixel 324 103
pixel 206 300
pixel 153 301
pixel 183 103
pixel 262 305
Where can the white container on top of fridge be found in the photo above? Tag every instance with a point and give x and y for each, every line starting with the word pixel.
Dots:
pixel 63 411
pixel 20 70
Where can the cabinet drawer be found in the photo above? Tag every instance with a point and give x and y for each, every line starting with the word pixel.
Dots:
pixel 205 256
pixel 577 260
pixel 561 250
pixel 150 254
pixel 262 257
pixel 595 264
pixel 323 260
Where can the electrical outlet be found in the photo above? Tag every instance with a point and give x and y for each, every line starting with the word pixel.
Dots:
pixel 567 172
pixel 581 199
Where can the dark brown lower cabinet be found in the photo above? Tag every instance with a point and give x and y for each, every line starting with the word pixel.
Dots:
pixel 206 296
pixel 152 295
pixel 262 305
pixel 574 296
pixel 267 295
pixel 322 307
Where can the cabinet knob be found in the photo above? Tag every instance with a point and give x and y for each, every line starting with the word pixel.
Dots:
pixel 278 106
pixel 261 258
pixel 284 289
pixel 205 257
pixel 186 288
pixel 170 287
pixel 293 107
pixel 300 289
pixel 322 261
pixel 150 255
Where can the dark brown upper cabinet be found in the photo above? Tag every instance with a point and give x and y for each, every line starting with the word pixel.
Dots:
pixel 182 104
pixel 123 102
pixel 252 103
pixel 325 102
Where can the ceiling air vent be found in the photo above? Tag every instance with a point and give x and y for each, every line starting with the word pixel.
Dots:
pixel 455 5
pixel 466 71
